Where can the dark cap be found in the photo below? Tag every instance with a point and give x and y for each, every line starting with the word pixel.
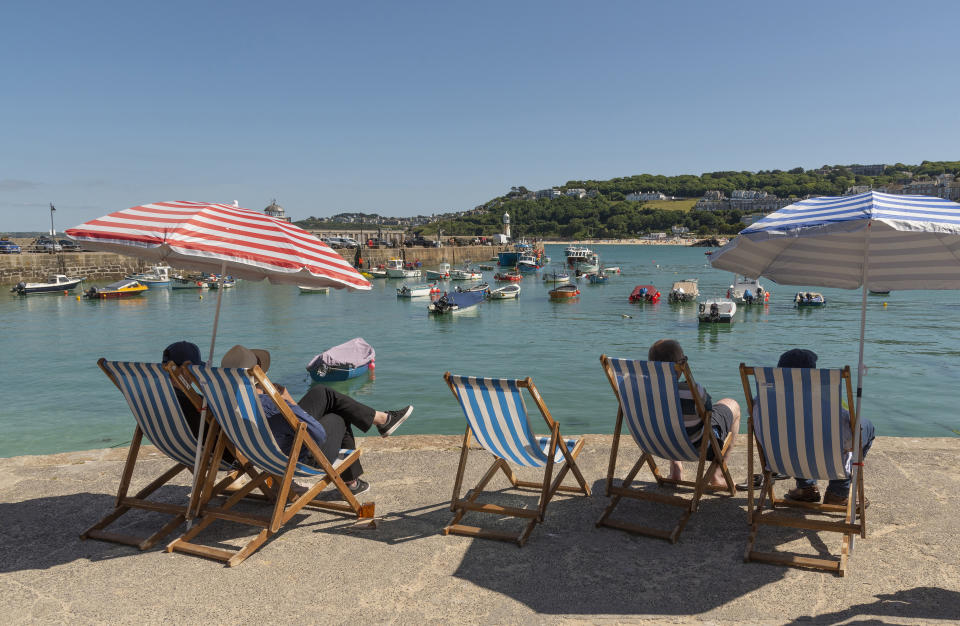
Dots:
pixel 798 357
pixel 182 351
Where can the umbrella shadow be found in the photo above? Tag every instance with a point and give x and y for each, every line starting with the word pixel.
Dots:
pixel 917 603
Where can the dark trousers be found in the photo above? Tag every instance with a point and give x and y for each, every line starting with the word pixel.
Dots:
pixel 338 414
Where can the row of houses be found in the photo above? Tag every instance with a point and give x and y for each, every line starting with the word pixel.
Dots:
pixel 943 186
pixel 746 200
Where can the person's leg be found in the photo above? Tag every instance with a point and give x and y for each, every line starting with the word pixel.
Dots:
pixel 840 487
pixel 339 435
pixel 321 400
pixel 725 419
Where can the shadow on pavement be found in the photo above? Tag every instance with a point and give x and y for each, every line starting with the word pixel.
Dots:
pixel 917 603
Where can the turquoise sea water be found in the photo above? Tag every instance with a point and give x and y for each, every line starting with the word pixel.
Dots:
pixel 54 397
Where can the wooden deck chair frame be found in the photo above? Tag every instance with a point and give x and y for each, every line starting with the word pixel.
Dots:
pixel 699 486
pixel 287 504
pixel 461 506
pixel 125 502
pixel 757 517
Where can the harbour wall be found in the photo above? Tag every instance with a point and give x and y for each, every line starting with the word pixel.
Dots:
pixel 106 266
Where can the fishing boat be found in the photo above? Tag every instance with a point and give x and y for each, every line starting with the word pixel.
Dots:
pixel 342 362
pixel 528 263
pixel 589 265
pixel 417 291
pixel 509 258
pixel 313 289
pixel 506 292
pixel 747 291
pixel 575 254
pixel 395 269
pixel 120 289
pixel 644 293
pixel 564 292
pixel 809 298
pixel 157 276
pixel 611 269
pixel 508 277
pixel 556 277
pixel 465 274
pixel 716 311
pixel 456 302
pixel 188 282
pixel 684 291
pixel 598 278
pixel 55 283
pixel 441 273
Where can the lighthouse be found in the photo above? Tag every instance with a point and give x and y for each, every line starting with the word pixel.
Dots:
pixel 506 225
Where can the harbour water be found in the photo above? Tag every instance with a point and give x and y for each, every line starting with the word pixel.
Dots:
pixel 54 398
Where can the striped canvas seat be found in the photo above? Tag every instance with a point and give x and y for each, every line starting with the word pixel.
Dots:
pixel 497 417
pixel 798 421
pixel 649 396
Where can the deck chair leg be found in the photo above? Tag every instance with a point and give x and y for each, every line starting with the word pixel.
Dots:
pixel 612 465
pixel 461 467
pixel 627 481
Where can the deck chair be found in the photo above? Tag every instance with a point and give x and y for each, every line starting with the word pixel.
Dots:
pixel 497 418
pixel 648 395
pixel 795 422
pixel 232 398
pixel 149 391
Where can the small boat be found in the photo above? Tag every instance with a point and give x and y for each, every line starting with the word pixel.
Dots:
pixel 879 293
pixel 395 269
pixel 611 269
pixel 481 287
pixel 598 279
pixel 717 311
pixel 564 292
pixel 486 267
pixel 157 276
pixel 508 277
pixel 441 273
pixel 188 282
pixel 505 292
pixel 684 291
pixel 55 283
pixel 644 293
pixel 528 263
pixel 556 277
pixel 456 302
pixel 747 291
pixel 376 272
pixel 342 362
pixel 313 289
pixel 465 274
pixel 120 289
pixel 416 291
pixel 214 282
pixel 809 298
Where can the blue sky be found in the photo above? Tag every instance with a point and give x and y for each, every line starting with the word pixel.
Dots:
pixel 410 107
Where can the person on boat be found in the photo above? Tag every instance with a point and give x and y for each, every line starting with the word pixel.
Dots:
pixel 329 416
pixel 837 489
pixel 724 414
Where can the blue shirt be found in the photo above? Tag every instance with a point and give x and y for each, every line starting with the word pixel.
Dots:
pixel 282 432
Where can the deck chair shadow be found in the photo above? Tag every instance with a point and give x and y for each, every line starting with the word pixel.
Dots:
pixel 497 418
pixel 232 398
pixel 150 392
pixel 795 420
pixel 648 395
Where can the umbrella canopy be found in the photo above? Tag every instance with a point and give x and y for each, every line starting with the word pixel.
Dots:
pixel 220 238
pixel 914 243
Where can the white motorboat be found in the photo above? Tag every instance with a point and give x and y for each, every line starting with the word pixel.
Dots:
pixel 747 291
pixel 511 290
pixel 441 273
pixel 684 291
pixel 576 254
pixel 395 269
pixel 157 276
pixel 304 289
pixel 465 274
pixel 717 311
pixel 416 291
pixel 55 283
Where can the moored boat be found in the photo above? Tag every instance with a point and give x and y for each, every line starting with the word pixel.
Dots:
pixel 215 282
pixel 506 292
pixel 188 282
pixel 342 362
pixel 395 269
pixel 416 291
pixel 55 283
pixel 304 289
pixel 157 276
pixel 528 263
pixel 611 269
pixel 575 254
pixel 716 311
pixel 644 293
pixel 376 272
pixel 684 291
pixel 480 287
pixel 809 298
pixel 564 292
pixel 456 302
pixel 485 267
pixel 441 273
pixel 598 278
pixel 508 277
pixel 556 277
pixel 465 274
pixel 747 291
pixel 120 289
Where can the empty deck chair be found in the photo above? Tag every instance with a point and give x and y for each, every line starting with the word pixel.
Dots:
pixel 648 395
pixel 232 398
pixel 149 392
pixel 795 420
pixel 497 418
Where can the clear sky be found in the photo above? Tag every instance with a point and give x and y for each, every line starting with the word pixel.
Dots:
pixel 405 107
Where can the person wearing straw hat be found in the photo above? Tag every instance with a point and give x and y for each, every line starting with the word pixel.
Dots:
pixel 329 416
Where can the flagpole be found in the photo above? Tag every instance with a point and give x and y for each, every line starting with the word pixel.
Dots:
pixel 861 369
pixel 52 232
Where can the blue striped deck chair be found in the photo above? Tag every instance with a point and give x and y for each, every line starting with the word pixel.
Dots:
pixel 497 418
pixel 795 420
pixel 648 396
pixel 231 395
pixel 150 393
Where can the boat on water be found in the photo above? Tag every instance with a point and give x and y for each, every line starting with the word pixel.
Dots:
pixel 188 282
pixel 575 254
pixel 375 272
pixel 610 269
pixel 528 263
pixel 747 291
pixel 716 311
pixel 465 274
pixel 599 278
pixel 556 277
pixel 684 291
pixel 417 291
pixel 506 292
pixel 343 362
pixel 214 282
pixel 809 298
pixel 564 292
pixel 55 283
pixel 878 293
pixel 509 258
pixel 157 276
pixel 441 273
pixel 508 277
pixel 396 269
pixel 456 302
pixel 304 289
pixel 120 289
pixel 479 287
pixel 589 265
pixel 644 293
pixel 485 267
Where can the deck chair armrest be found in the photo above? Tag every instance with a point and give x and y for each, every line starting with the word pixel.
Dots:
pixel 289 415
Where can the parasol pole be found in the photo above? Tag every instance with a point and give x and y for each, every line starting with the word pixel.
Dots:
pixel 861 370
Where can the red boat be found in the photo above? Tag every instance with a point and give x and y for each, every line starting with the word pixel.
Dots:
pixel 564 291
pixel 508 277
pixel 645 293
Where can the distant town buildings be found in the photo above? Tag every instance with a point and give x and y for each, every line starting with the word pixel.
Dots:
pixel 576 193
pixel 942 186
pixel 644 196
pixel 276 211
pixel 548 194
pixel 868 170
pixel 746 200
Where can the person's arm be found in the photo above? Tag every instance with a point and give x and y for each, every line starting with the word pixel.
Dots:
pixel 705 396
pixel 315 430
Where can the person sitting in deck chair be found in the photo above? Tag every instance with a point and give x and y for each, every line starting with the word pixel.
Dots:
pixel 806 489
pixel 330 416
pixel 725 413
